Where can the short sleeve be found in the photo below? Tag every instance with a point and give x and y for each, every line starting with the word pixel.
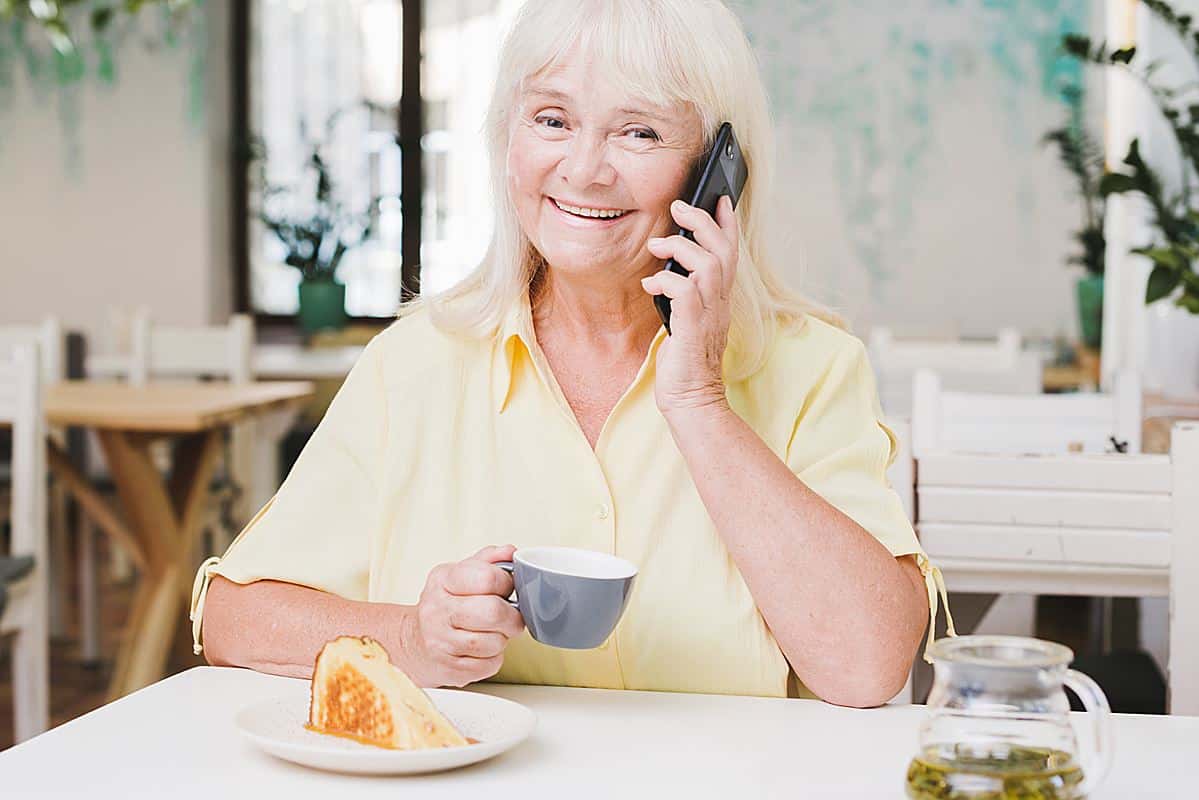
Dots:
pixel 840 449
pixel 317 530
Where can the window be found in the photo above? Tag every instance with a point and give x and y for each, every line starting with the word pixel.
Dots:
pixel 301 63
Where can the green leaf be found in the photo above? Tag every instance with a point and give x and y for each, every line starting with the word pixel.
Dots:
pixel 1167 257
pixel 1123 55
pixel 102 17
pixel 1077 45
pixel 1188 301
pixel 1162 281
pixel 1116 183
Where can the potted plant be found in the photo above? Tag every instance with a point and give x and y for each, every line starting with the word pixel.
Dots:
pixel 1082 157
pixel 1173 214
pixel 316 229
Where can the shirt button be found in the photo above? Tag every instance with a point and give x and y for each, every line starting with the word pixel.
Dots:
pixel 602 511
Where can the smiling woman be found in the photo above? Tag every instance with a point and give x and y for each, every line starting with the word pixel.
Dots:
pixel 738 462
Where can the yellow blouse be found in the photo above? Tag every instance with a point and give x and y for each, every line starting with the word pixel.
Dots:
pixel 437 445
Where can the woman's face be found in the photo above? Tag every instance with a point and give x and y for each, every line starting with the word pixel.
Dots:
pixel 592 170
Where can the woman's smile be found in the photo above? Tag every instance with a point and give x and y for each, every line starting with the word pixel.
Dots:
pixel 587 216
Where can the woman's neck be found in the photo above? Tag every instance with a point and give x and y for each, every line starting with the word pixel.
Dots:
pixel 618 319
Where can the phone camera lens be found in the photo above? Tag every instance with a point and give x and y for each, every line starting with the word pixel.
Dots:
pixel 728 149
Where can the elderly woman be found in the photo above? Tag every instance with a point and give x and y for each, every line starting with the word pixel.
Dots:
pixel 738 461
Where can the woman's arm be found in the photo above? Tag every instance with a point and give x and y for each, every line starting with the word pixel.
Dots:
pixel 456 634
pixel 279 628
pixel 846 613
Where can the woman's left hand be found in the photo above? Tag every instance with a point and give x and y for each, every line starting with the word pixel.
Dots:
pixel 689 362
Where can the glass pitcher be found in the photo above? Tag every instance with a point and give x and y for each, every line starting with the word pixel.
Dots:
pixel 999 726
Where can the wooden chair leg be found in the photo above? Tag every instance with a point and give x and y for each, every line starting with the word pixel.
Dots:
pixel 59 568
pixel 89 599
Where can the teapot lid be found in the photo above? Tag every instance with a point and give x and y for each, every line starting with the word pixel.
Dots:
pixel 1001 651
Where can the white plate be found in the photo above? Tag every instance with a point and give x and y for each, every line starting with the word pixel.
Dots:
pixel 277 726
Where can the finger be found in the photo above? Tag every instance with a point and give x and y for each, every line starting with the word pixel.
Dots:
pixel 726 217
pixel 495 553
pixel 704 266
pixel 471 669
pixel 708 232
pixel 486 613
pixel 686 307
pixel 476 644
pixel 477 577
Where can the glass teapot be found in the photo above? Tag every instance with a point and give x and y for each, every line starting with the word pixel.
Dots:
pixel 999 725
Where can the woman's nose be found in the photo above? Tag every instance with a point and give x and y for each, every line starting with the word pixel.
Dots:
pixel 586 163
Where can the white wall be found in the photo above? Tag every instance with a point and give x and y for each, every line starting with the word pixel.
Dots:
pixel 141 219
pixel 911 172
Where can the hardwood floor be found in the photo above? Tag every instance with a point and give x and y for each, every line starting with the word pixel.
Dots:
pixel 77 688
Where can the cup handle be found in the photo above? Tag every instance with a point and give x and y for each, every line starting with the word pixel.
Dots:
pixel 1096 765
pixel 510 568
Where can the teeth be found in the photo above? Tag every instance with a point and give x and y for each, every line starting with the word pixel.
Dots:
pixel 599 213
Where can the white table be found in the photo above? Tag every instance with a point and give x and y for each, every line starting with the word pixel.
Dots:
pixel 270 362
pixel 176 740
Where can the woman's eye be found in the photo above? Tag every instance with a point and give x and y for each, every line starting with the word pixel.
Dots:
pixel 549 122
pixel 643 133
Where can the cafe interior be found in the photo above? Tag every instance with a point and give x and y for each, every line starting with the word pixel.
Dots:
pixel 210 208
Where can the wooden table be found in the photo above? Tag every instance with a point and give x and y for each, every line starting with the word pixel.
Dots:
pixel 177 739
pixel 162 514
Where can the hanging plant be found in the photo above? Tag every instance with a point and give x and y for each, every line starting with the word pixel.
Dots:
pixel 65 32
pixel 58 18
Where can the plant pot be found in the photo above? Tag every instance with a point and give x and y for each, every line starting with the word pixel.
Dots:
pixel 1090 310
pixel 322 306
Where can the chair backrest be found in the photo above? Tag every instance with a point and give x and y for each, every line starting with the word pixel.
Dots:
pixel 50 339
pixel 945 421
pixel 21 407
pixel 170 351
pixel 999 365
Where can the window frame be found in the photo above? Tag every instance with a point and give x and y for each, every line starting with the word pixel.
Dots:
pixel 410 126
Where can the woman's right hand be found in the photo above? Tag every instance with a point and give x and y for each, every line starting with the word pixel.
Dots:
pixel 463 621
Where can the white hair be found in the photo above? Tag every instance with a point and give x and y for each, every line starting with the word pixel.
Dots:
pixel 667 52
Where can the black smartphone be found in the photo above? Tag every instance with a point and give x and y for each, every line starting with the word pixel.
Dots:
pixel 721 171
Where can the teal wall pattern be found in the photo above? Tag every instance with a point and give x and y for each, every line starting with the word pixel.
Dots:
pixel 910 156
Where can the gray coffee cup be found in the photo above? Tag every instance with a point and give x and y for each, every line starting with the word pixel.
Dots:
pixel 569 597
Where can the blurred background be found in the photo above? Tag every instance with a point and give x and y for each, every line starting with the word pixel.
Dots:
pixel 996 190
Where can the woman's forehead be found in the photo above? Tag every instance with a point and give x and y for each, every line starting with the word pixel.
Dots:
pixel 574 83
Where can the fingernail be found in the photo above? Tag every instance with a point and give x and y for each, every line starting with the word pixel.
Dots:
pixel 679 204
pixel 655 240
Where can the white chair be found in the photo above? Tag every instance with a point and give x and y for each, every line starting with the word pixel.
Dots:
pixel 1009 502
pixel 51 341
pixel 222 352
pixel 999 366
pixel 26 611
pixel 174 352
pixel 1041 423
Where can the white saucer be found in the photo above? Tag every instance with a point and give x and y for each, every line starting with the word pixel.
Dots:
pixel 277 726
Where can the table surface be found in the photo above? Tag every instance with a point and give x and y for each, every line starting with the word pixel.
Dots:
pixel 272 361
pixel 177 739
pixel 166 407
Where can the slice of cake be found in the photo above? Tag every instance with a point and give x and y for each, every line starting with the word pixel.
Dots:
pixel 357 692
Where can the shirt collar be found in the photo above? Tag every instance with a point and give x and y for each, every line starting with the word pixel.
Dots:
pixel 516 333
